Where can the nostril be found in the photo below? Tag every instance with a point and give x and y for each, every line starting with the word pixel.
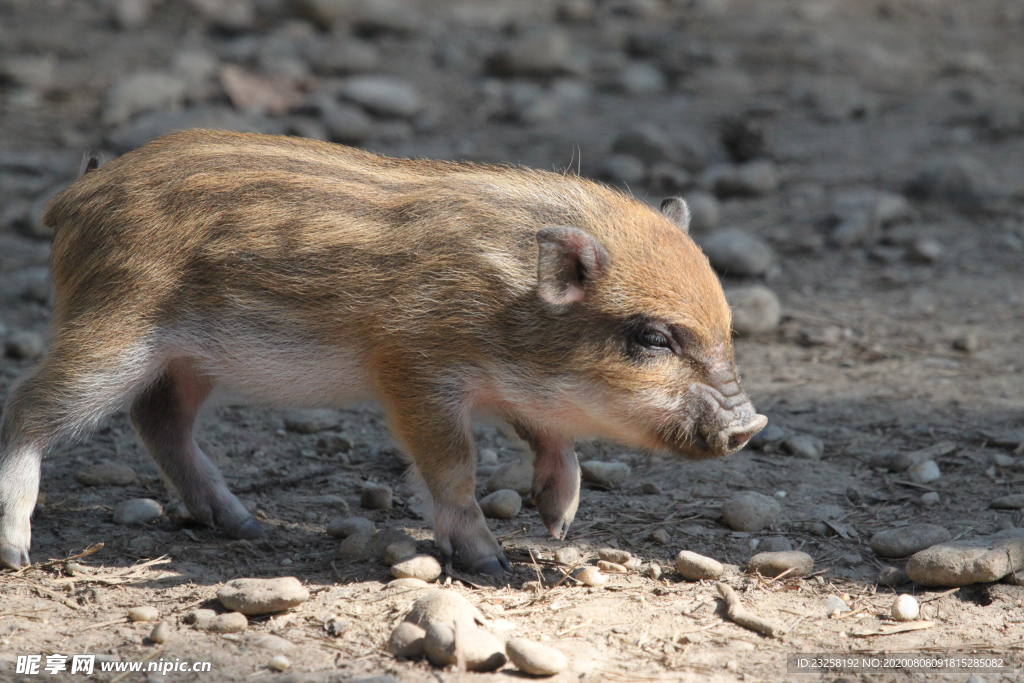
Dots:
pixel 739 440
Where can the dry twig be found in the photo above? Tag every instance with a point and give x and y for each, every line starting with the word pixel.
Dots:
pixel 740 615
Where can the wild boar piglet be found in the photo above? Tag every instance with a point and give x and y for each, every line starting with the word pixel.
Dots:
pixel 292 272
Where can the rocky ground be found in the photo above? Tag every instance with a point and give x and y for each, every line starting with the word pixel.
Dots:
pixel 856 171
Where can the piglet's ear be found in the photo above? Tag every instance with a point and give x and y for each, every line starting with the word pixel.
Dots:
pixel 676 210
pixel 568 259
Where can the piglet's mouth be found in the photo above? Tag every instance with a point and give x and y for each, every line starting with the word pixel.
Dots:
pixel 723 424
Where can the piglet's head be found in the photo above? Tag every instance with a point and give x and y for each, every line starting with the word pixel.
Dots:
pixel 644 324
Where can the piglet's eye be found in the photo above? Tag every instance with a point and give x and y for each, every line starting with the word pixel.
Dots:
pixel 653 339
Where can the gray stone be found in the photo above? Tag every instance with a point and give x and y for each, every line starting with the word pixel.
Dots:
pixel 396 552
pixel 407 583
pixel 151 126
pixel 773 433
pixel 835 604
pixel 967 343
pixel 383 95
pixel 567 555
pixel 901 462
pixel 773 564
pixel 615 555
pixel 960 180
pixel 346 124
pixel 750 179
pixel 106 474
pixel 924 472
pixel 1014 501
pixel 751 511
pixel 962 563
pixel 262 596
pixel 339 55
pixel 825 512
pixel 143 613
pixel 669 178
pixel 623 168
pixel 605 474
pixel 775 544
pixel 704 210
pixel 141 92
pixel 24 344
pixel 541 53
pixel 534 658
pixel 892 577
pixel 733 251
pixel 131 14
pixel 232 622
pixel 641 78
pixel 516 476
pixel 804 446
pixel 423 567
pixel 406 641
pixel 137 511
pixel 930 498
pixel 345 527
pixel 33 71
pixel 142 545
pixel 659 536
pixel 924 250
pixel 232 16
pixel 377 547
pixel 755 310
pixel 694 567
pixel 311 421
pixel 503 504
pixel 443 607
pixel 376 496
pixel 647 143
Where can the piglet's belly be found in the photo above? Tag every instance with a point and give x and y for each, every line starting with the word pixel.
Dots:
pixel 287 373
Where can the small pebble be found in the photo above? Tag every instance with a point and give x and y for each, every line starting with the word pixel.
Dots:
pixel 605 474
pixel 704 210
pixel 106 475
pixel 311 421
pixel 377 546
pixel 343 527
pixel 407 583
pixel 775 544
pixel 488 456
pixel 232 622
pixel 279 663
pixel 755 309
pixel 924 472
pixel 396 552
pixel 535 659
pixel 931 498
pixel 503 504
pixel 804 446
pixel 773 433
pixel 968 343
pixel 614 555
pixel 335 626
pixel 517 476
pixel 376 496
pixel 924 250
pixel 835 604
pixel 694 567
pixel 650 489
pixel 892 577
pixel 611 567
pixel 751 511
pixel 406 641
pixel 161 633
pixel 1003 460
pixel 479 649
pixel 773 564
pixel 907 540
pixel 905 608
pixel 591 576
pixel 355 548
pixel 623 168
pixel 736 252
pixel 143 613
pixel 653 571
pixel 262 596
pixel 659 536
pixel 567 555
pixel 137 511
pixel 423 567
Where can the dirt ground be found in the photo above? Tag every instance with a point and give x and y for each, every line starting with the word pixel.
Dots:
pixel 876 354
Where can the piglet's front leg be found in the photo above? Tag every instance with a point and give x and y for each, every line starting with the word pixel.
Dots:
pixel 556 479
pixel 439 440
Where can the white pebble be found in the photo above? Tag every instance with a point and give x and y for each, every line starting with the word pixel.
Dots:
pixel 161 633
pixel 422 567
pixel 279 663
pixel 905 608
pixel 535 659
pixel 924 472
pixel 591 576
pixel 137 511
pixel 931 498
pixel 694 567
pixel 144 613
pixel 503 504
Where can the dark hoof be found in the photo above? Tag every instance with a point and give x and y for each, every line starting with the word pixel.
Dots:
pixel 492 566
pixel 12 558
pixel 248 530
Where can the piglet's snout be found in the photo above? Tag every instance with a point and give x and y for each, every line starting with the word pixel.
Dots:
pixel 730 419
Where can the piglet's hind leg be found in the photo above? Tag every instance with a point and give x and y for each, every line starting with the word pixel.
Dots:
pixel 164 417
